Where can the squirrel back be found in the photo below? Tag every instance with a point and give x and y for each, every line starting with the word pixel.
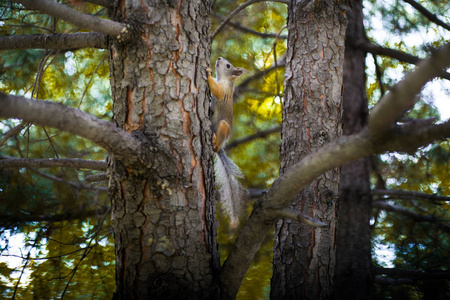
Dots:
pixel 232 194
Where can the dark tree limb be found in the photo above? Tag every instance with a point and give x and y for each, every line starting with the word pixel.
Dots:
pixel 61 41
pixel 429 15
pixel 104 3
pixel 410 195
pixel 281 63
pixel 414 275
pixel 61 11
pixel 81 213
pixel 52 163
pixel 399 55
pixel 259 134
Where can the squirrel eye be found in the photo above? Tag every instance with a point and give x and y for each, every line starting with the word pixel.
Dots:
pixel 228 66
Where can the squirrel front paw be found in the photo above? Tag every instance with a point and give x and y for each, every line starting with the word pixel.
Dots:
pixel 214 142
pixel 208 70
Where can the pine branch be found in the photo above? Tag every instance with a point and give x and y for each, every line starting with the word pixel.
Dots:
pixel 429 15
pixel 52 163
pixel 47 113
pixel 77 18
pixel 59 41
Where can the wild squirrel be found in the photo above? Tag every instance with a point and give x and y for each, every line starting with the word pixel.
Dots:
pixel 232 194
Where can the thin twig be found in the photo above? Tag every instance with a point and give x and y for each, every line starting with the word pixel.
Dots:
pixel 239 9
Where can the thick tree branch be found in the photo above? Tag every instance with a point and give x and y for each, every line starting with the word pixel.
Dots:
pixel 62 41
pixel 410 195
pixel 429 15
pixel 332 155
pixel 401 97
pixel 52 163
pixel 103 133
pixel 237 10
pixel 77 18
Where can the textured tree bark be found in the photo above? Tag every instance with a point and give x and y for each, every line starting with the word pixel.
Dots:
pixel 353 248
pixel 304 258
pixel 163 217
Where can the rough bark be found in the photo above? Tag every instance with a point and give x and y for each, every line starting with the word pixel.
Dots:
pixel 353 251
pixel 304 257
pixel 163 219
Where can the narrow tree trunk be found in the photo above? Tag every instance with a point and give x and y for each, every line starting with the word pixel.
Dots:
pixel 304 257
pixel 353 276
pixel 163 218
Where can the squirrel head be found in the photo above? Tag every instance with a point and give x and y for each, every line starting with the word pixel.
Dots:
pixel 226 71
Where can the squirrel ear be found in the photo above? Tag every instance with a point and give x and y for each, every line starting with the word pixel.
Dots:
pixel 237 72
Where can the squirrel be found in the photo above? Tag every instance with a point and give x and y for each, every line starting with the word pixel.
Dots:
pixel 232 194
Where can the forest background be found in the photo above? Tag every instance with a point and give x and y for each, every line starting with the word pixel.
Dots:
pixel 55 222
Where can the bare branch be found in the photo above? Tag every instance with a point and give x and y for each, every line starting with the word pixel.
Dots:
pixel 401 97
pixel 52 163
pixel 101 132
pixel 259 134
pixel 281 63
pixel 399 194
pixel 12 132
pixel 62 41
pixel 96 177
pixel 249 30
pixel 77 18
pixel 429 15
pixel 239 9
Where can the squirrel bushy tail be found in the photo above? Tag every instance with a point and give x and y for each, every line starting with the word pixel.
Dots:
pixel 232 194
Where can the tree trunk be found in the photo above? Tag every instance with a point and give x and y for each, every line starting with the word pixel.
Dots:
pixel 304 257
pixel 163 217
pixel 353 251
